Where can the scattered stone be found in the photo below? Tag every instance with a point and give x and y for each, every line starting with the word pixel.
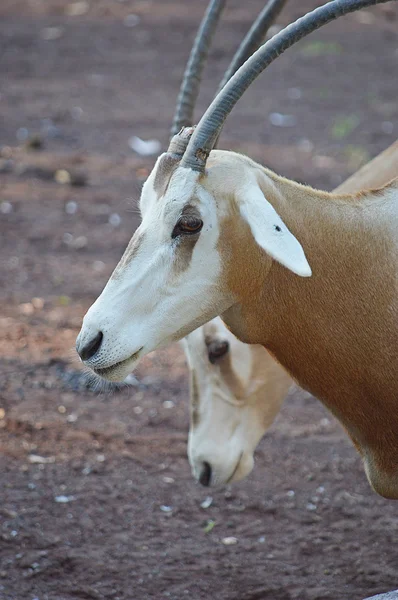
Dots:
pixel 100 458
pixel 6 208
pixel 168 480
pixel 294 93
pixel 229 541
pixel 207 502
pixel 71 207
pixel 6 165
pixel 387 127
pixel 131 20
pixel 79 242
pixel 114 220
pixel 72 418
pixel 36 459
pixel 168 404
pixel 144 147
pixel 138 410
pixel 280 120
pixel 27 308
pixel 311 506
pixel 62 409
pixel 290 494
pixel 22 134
pixel 76 113
pixel 166 509
pixel 2 413
pixel 64 499
pixel 38 303
pixel 261 540
pixel 77 9
pixel 51 33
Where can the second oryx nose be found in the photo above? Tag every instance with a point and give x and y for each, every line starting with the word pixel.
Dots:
pixel 88 350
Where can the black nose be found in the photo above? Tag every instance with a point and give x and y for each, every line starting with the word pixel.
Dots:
pixel 92 347
pixel 205 475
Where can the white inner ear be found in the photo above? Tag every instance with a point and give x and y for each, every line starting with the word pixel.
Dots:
pixel 271 233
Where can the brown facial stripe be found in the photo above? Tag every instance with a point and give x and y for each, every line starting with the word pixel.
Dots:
pixel 130 252
pixel 166 167
pixel 186 243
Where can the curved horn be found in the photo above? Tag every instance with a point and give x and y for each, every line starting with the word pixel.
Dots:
pixel 189 90
pixel 254 38
pixel 210 125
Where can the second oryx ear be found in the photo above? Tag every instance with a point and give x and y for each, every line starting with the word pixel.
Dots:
pixel 271 233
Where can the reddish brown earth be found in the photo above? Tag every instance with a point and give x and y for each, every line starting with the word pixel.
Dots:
pixel 307 525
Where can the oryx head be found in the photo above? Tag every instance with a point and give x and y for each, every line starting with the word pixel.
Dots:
pixel 236 392
pixel 197 209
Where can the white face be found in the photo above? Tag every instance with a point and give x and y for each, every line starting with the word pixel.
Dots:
pixel 236 392
pixel 167 282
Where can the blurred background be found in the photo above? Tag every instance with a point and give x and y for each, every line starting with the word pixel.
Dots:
pixel 96 496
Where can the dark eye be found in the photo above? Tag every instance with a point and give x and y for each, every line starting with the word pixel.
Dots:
pixel 216 349
pixel 187 225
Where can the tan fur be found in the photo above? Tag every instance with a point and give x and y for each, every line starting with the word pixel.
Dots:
pixel 336 332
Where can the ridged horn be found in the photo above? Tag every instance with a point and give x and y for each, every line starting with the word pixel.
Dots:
pixel 210 125
pixel 189 89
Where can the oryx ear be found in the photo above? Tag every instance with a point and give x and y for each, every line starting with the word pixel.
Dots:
pixel 271 233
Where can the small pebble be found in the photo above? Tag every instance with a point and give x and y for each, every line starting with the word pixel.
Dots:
pixel 131 20
pixel 98 265
pixel 79 242
pixel 294 93
pixel 280 120
pixel 261 540
pixel 207 502
pixel 311 506
pixel 166 509
pixel 71 418
pixel 71 207
pixel 387 127
pixel 114 220
pixel 168 404
pixel 22 134
pixel 64 499
pixel 290 494
pixel 138 410
pixel 6 208
pixel 27 308
pixel 168 479
pixel 2 413
pixel 51 33
pixel 77 9
pixel 229 541
pixel 100 458
pixel 38 303
pixel 76 113
pixel 35 459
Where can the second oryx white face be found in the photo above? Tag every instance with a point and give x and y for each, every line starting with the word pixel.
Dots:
pixel 168 281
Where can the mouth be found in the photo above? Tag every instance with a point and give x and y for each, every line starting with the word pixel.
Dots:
pixel 117 371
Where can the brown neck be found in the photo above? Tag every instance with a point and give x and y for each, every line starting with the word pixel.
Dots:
pixel 334 332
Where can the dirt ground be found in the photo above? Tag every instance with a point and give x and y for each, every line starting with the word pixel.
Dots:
pixel 97 499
